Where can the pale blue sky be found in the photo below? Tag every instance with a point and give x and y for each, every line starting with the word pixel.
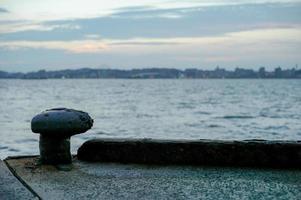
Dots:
pixel 149 33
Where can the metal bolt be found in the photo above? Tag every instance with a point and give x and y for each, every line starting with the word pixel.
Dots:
pixel 55 127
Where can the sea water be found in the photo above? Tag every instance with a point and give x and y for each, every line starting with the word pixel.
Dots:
pixel 154 108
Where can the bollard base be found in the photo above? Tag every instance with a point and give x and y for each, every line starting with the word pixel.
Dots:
pixel 55 151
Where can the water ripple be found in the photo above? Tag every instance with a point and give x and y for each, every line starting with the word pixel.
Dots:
pixel 237 117
pixel 181 109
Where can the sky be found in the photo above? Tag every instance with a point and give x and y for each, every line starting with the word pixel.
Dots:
pixel 128 34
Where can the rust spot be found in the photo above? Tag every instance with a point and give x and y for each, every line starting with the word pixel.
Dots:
pixel 82 118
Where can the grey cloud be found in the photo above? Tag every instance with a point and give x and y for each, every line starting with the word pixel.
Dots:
pixel 194 22
pixel 3 10
pixel 134 8
pixel 145 43
pixel 145 12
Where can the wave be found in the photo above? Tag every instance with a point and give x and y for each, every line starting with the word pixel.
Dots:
pixel 202 113
pixel 277 128
pixel 238 117
pixel 215 126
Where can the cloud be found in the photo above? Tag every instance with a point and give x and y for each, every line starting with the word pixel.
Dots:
pixel 86 46
pixel 92 36
pixel 144 12
pixel 50 10
pixel 145 42
pixel 263 47
pixel 167 15
pixel 166 33
pixel 83 46
pixel 216 48
pixel 21 26
pixel 159 23
pixel 134 8
pixel 3 10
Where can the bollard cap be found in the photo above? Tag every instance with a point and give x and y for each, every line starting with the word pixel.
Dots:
pixel 61 122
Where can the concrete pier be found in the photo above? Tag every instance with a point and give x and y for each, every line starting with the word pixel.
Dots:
pixel 136 181
pixel 160 169
pixel 10 186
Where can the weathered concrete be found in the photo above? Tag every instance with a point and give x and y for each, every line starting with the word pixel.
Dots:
pixel 10 187
pixel 130 181
pixel 252 153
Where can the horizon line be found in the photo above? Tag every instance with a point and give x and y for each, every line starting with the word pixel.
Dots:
pixel 296 67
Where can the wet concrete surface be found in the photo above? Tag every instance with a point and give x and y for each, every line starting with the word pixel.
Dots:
pixel 10 187
pixel 133 181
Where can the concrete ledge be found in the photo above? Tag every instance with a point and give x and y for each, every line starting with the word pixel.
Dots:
pixel 89 180
pixel 250 153
pixel 10 187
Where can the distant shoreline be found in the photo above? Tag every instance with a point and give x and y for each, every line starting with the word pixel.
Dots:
pixel 157 73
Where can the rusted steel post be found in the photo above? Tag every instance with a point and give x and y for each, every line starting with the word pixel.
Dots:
pixel 55 127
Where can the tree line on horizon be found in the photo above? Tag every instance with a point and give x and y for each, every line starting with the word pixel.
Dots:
pixel 152 73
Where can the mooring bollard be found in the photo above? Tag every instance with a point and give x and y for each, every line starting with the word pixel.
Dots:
pixel 55 127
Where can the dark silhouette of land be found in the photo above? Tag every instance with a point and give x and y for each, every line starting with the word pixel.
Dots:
pixel 153 73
